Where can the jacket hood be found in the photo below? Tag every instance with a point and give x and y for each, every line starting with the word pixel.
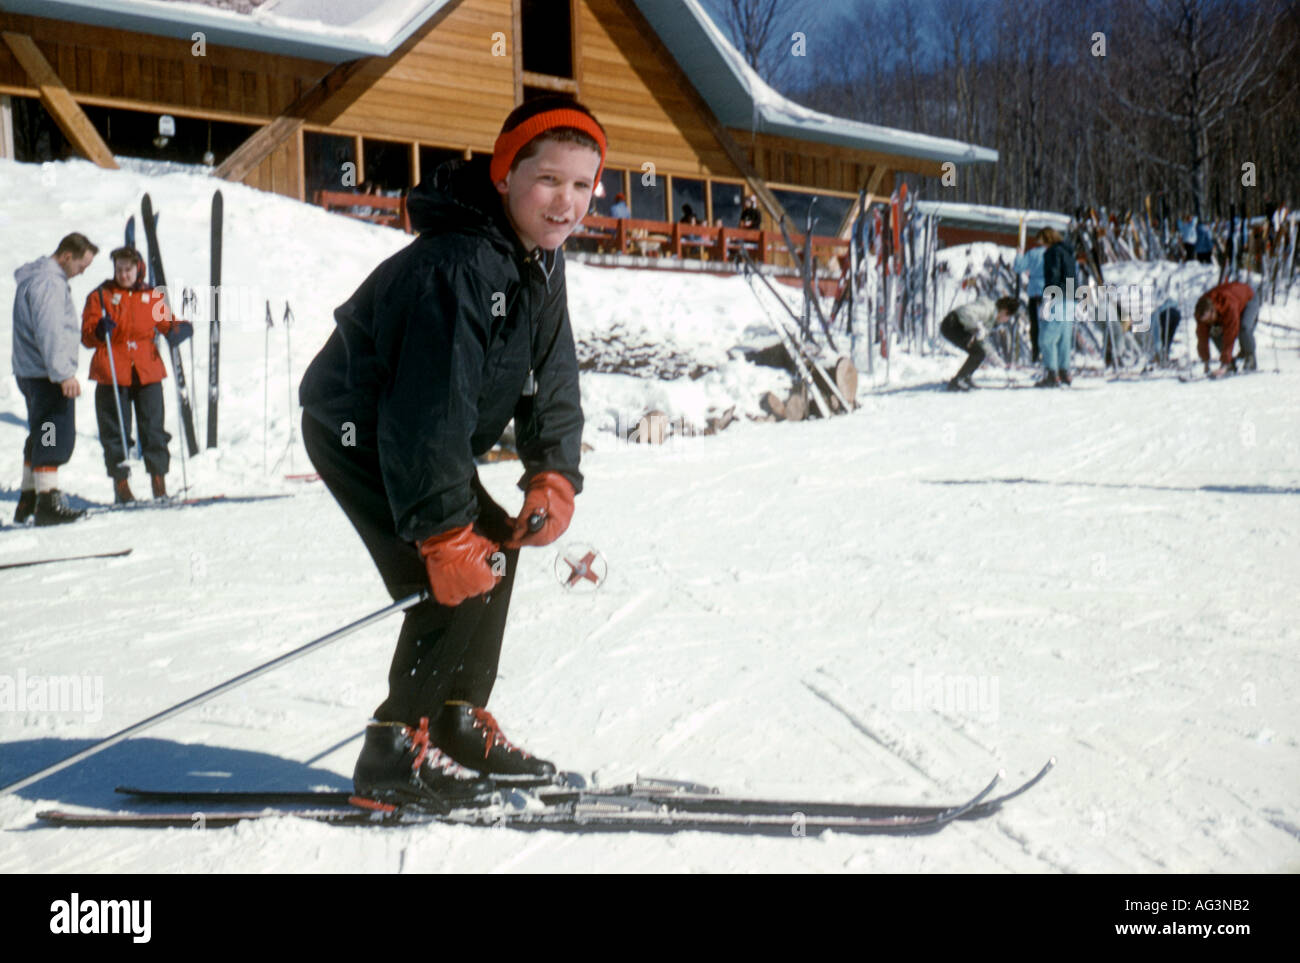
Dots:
pixel 42 265
pixel 459 197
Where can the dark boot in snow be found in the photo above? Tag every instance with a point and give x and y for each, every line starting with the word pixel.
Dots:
pixel 159 483
pixel 398 765
pixel 473 738
pixel 122 492
pixel 52 510
pixel 1048 380
pixel 26 506
pixel 1063 376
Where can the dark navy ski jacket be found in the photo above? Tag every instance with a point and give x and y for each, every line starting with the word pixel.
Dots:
pixel 430 358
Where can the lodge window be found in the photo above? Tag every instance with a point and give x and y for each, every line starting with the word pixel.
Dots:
pixel 388 165
pixel 432 157
pixel 827 213
pixel 648 201
pixel 612 181
pixel 687 191
pixel 547 37
pixel 727 202
pixel 324 160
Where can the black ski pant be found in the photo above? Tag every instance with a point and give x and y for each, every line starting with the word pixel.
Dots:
pixel 1167 322
pixel 954 331
pixel 443 652
pixel 51 423
pixel 148 403
pixel 1034 304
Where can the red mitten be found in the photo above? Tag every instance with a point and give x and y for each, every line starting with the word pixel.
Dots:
pixel 459 563
pixel 549 498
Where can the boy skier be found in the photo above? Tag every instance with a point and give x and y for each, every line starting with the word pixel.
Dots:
pixel 439 348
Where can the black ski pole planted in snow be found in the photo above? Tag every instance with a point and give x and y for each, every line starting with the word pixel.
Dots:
pixel 214 324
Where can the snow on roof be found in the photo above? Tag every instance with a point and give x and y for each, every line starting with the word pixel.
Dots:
pixel 328 30
pixel 985 215
pixel 740 97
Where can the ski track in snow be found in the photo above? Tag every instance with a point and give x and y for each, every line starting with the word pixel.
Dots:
pixel 888 606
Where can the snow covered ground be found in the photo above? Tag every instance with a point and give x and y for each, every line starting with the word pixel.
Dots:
pixel 891 605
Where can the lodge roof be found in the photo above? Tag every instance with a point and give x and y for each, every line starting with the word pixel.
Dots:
pixel 334 31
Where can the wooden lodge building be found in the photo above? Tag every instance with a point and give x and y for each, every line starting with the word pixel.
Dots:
pixel 304 96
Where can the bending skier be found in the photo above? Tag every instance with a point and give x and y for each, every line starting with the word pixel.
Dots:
pixel 1224 314
pixel 439 348
pixel 968 327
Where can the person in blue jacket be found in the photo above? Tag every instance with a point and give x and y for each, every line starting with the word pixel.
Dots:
pixel 1032 262
pixel 1058 322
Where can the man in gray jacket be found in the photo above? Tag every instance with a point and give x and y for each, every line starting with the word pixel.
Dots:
pixel 47 335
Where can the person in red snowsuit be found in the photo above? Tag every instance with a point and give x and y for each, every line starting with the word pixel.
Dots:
pixel 1226 313
pixel 130 312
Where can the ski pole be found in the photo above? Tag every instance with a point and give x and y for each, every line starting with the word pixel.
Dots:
pixel 288 365
pixel 112 374
pixel 202 697
pixel 180 432
pixel 266 382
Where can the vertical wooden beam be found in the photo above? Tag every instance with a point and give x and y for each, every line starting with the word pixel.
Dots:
pixel 301 150
pixel 8 150
pixel 575 45
pixel 58 100
pixel 359 147
pixel 517 48
pixel 415 163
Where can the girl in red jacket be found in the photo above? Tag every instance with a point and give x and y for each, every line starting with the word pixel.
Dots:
pixel 130 312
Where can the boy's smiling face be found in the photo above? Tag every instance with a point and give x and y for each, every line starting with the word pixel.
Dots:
pixel 547 195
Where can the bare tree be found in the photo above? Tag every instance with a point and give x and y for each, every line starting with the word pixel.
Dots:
pixel 762 29
pixel 1206 57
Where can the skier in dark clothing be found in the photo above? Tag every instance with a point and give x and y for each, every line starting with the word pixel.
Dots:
pixel 1056 329
pixel 439 348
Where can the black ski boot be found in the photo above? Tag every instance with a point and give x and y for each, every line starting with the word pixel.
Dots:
pixel 955 385
pixel 1049 380
pixel 1063 377
pixel 968 383
pixel 122 492
pixel 26 506
pixel 51 509
pixel 473 738
pixel 398 766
